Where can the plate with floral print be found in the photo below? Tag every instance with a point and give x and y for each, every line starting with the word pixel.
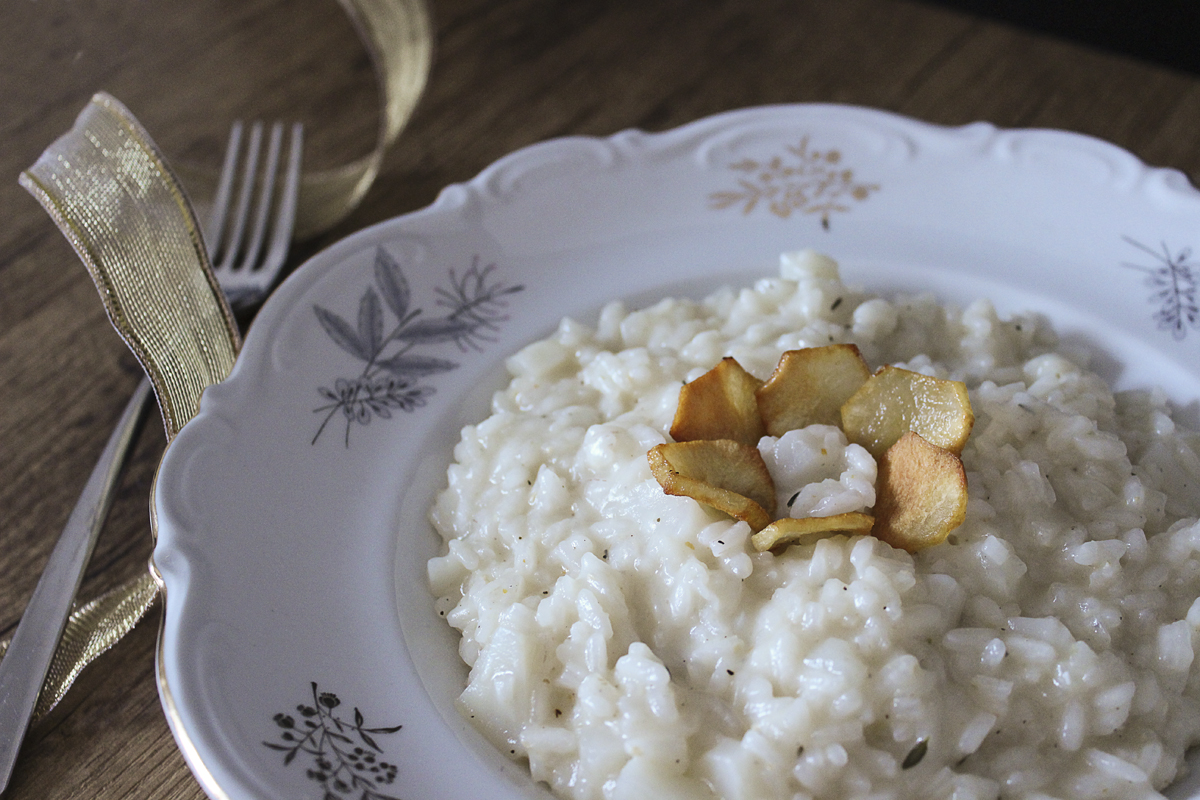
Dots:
pixel 301 655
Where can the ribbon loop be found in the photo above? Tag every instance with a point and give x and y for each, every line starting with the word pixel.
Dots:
pixel 115 199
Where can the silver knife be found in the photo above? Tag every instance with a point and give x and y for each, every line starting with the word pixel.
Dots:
pixel 31 650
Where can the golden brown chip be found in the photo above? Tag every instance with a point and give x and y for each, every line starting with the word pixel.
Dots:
pixel 895 401
pixel 726 475
pixel 720 404
pixel 810 386
pixel 787 531
pixel 921 494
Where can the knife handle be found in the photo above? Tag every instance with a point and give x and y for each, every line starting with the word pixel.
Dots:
pixel 31 650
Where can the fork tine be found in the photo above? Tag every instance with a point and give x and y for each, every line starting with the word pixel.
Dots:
pixel 243 271
pixel 220 208
pixel 266 191
pixel 285 216
pixel 229 250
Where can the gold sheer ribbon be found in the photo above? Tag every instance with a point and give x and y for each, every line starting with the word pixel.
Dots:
pixel 398 37
pixel 112 194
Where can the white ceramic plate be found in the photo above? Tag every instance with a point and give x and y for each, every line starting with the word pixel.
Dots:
pixel 293 536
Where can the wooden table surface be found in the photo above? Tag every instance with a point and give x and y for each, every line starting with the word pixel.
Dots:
pixel 507 73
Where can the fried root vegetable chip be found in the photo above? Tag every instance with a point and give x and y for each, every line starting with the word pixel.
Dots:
pixel 921 494
pixel 810 386
pixel 787 531
pixel 720 404
pixel 726 475
pixel 894 401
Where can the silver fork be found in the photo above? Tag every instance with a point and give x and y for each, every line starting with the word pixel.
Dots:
pixel 246 274
pixel 244 277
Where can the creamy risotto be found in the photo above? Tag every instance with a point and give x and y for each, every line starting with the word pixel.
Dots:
pixel 630 645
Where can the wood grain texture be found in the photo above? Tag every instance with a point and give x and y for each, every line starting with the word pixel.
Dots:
pixel 508 73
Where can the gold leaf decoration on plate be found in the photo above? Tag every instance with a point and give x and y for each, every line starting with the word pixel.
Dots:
pixel 806 180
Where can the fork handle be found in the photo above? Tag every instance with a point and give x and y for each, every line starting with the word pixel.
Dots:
pixel 31 651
